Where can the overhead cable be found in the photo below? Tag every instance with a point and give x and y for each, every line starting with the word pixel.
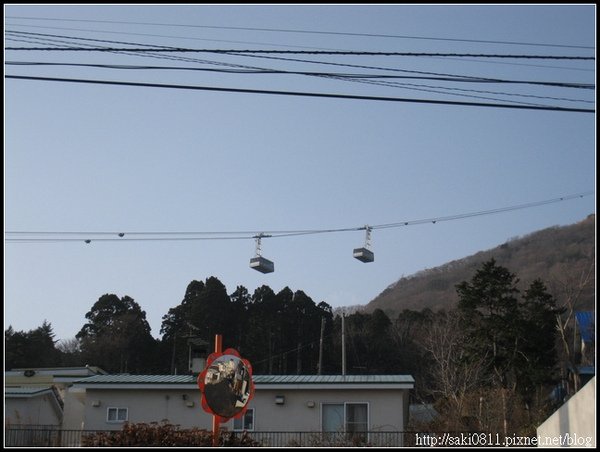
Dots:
pixel 465 77
pixel 300 94
pixel 305 52
pixel 44 37
pixel 441 77
pixel 55 236
pixel 283 30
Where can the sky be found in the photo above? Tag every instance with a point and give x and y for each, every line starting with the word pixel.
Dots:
pixel 90 161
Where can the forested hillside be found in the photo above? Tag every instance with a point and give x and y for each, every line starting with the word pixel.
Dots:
pixel 557 255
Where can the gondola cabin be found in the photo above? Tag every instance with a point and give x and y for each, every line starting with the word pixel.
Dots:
pixel 364 255
pixel 262 265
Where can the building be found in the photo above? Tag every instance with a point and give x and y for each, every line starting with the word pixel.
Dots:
pixel 36 396
pixel 574 423
pixel 61 377
pixel 32 406
pixel 281 403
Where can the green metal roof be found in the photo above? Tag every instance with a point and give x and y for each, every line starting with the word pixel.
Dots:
pixel 332 379
pixel 258 379
pixel 138 379
pixel 26 391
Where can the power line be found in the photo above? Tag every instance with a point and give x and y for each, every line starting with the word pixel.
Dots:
pixel 299 94
pixel 483 212
pixel 449 91
pixel 283 30
pixel 442 77
pixel 168 37
pixel 404 86
pixel 281 45
pixel 246 235
pixel 464 78
pixel 130 43
pixel 304 52
pixel 359 78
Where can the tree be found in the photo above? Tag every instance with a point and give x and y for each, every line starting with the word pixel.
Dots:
pixel 369 342
pixel 240 308
pixel 70 352
pixel 262 327
pixel 381 357
pixel 35 348
pixel 211 312
pixel 569 287
pixel 117 336
pixel 536 364
pixel 177 326
pixel 304 319
pixel 489 308
pixel 516 333
pixel 327 362
pixel 538 351
pixel 453 376
pixel 409 334
pixel 175 321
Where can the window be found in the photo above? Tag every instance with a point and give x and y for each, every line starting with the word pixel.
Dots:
pixel 116 414
pixel 345 417
pixel 246 422
pixel 332 417
pixel 357 417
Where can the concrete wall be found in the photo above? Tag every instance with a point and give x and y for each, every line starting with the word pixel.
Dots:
pixel 145 405
pixel 574 423
pixel 387 408
pixel 74 408
pixel 36 410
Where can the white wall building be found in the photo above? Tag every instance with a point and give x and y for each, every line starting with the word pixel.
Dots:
pixel 35 396
pixel 282 403
pixel 32 406
pixel 574 423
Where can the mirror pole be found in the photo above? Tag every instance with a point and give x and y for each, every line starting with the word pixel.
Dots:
pixel 343 346
pixel 215 423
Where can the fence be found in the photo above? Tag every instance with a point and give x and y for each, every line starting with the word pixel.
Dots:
pixel 47 436
pixel 331 439
pixel 43 436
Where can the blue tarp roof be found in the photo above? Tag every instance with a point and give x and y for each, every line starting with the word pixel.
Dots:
pixel 587 325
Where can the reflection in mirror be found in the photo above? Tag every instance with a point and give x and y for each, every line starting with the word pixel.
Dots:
pixel 227 386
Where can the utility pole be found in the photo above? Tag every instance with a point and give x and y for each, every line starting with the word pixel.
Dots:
pixel 299 360
pixel 321 346
pixel 173 356
pixel 270 355
pixel 216 421
pixel 343 346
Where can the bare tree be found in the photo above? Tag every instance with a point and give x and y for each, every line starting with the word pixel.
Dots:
pixel 454 376
pixel 568 287
pixel 69 346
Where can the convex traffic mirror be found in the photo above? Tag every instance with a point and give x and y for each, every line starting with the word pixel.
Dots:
pixel 226 385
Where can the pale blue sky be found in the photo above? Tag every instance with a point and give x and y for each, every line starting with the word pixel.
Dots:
pixel 88 158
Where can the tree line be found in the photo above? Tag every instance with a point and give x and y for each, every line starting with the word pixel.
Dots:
pixel 486 365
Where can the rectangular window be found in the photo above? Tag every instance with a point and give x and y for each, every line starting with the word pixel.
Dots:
pixel 116 414
pixel 332 417
pixel 357 422
pixel 246 422
pixel 345 417
pixel 357 417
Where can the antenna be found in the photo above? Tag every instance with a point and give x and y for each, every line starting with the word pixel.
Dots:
pixel 365 254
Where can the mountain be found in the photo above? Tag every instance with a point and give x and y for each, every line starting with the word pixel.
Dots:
pixel 556 255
